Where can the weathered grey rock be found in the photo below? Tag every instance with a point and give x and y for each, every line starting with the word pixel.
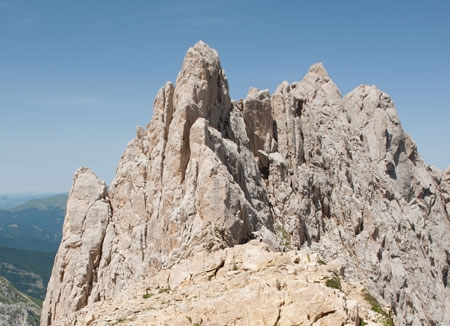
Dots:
pixel 303 168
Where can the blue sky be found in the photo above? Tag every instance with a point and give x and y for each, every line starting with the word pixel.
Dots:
pixel 77 77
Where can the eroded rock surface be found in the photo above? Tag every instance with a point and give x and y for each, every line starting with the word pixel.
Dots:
pixel 244 285
pixel 304 167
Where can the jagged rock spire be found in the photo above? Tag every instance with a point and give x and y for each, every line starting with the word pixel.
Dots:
pixel 77 261
pixel 185 184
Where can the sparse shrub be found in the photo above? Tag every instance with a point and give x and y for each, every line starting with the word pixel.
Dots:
pixel 147 295
pixel 284 237
pixel 375 305
pixel 164 290
pixel 334 282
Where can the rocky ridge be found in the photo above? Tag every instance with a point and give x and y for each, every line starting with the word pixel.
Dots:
pixel 244 285
pixel 303 168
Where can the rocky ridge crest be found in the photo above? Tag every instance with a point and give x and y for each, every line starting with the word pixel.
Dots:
pixel 304 167
pixel 244 285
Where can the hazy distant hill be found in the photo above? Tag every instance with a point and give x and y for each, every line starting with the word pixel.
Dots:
pixel 35 225
pixel 29 238
pixel 56 201
pixel 8 201
pixel 15 307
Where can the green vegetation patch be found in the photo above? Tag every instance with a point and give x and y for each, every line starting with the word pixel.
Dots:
pixel 147 295
pixel 334 282
pixel 284 236
pixel 164 290
pixel 375 305
pixel 119 321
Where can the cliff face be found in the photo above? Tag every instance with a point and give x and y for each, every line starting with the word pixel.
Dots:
pixel 304 167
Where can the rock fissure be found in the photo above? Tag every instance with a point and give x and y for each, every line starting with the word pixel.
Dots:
pixel 322 315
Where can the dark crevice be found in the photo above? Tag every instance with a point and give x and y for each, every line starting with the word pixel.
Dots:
pixel 424 193
pixel 445 276
pixel 185 158
pixel 392 174
pixel 219 87
pixel 375 233
pixel 445 270
pixel 379 255
pixel 275 131
pixel 323 314
pixel 359 227
pixel 298 108
pixel 301 149
pixel 388 137
pixel 264 171
pixel 216 268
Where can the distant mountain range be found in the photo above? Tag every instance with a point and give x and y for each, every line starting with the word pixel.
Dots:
pixel 8 201
pixel 55 201
pixel 35 225
pixel 30 234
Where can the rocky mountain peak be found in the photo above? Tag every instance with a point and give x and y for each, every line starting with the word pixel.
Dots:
pixel 304 168
pixel 319 70
pixel 201 86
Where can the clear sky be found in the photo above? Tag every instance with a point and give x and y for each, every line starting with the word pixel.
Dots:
pixel 77 77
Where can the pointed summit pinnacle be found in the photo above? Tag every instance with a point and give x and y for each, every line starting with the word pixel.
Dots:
pixel 318 69
pixel 199 60
pixel 201 84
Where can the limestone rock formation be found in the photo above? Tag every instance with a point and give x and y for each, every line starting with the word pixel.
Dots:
pixel 303 168
pixel 77 261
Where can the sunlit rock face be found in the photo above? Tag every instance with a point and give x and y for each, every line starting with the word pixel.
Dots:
pixel 302 168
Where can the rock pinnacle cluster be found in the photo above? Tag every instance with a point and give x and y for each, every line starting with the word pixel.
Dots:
pixel 302 170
